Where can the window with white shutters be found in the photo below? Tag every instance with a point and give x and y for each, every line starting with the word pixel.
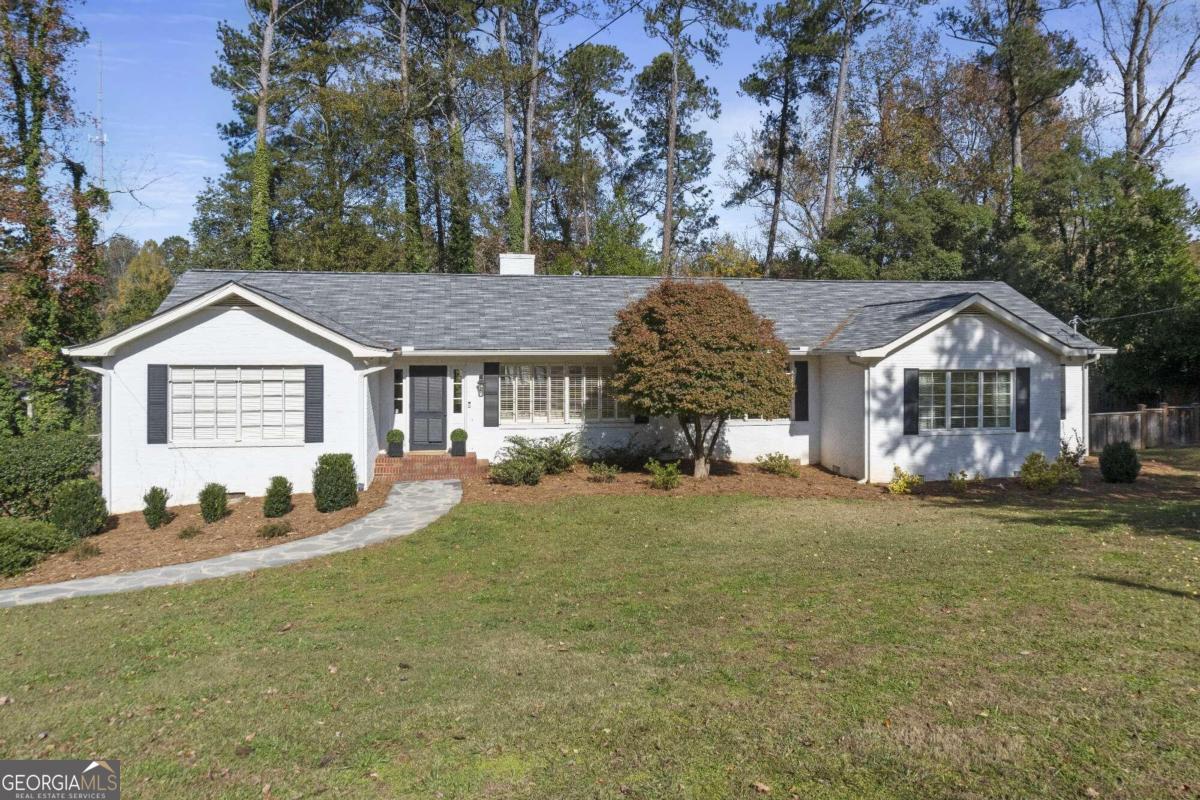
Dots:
pixel 549 395
pixel 236 404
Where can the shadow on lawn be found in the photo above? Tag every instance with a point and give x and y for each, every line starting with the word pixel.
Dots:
pixel 1163 502
pixel 1148 587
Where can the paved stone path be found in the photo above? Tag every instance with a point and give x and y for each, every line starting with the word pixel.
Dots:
pixel 408 508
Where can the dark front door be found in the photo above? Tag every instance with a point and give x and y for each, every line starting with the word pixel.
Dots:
pixel 428 409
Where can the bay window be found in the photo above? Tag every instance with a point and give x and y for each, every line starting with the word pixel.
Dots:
pixel 965 399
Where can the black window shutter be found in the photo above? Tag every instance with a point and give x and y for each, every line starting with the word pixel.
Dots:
pixel 1023 399
pixel 800 406
pixel 1062 392
pixel 912 400
pixel 491 394
pixel 314 404
pixel 156 404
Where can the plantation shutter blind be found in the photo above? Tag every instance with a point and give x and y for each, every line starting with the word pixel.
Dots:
pixel 800 406
pixel 1023 399
pixel 491 394
pixel 314 404
pixel 912 399
pixel 156 404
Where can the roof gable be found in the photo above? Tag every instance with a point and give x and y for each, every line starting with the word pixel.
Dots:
pixel 231 293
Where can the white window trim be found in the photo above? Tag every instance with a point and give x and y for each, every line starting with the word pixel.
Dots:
pixel 978 429
pixel 238 441
pixel 567 423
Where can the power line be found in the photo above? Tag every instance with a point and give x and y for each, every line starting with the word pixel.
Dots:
pixel 554 62
pixel 1076 321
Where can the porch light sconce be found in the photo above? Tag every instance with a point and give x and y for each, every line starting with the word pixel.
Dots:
pixel 479 386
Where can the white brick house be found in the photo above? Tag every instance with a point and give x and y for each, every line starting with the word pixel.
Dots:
pixel 245 375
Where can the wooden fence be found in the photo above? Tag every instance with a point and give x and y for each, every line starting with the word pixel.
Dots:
pixel 1159 426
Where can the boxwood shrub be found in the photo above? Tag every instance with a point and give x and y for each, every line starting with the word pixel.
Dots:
pixel 279 497
pixel 335 483
pixel 214 502
pixel 25 542
pixel 31 466
pixel 1119 463
pixel 77 507
pixel 155 511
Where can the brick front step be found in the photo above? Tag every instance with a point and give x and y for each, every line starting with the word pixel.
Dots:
pixel 431 466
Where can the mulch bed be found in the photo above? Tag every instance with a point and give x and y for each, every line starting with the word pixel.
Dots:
pixel 128 544
pixel 726 478
pixel 1158 481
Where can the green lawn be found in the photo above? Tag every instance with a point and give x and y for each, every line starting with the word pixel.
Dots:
pixel 653 647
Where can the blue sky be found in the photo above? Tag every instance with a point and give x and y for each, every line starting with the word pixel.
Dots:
pixel 161 110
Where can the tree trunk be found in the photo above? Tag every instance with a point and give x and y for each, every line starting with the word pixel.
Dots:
pixel 672 121
pixel 412 201
pixel 260 211
pixel 835 127
pixel 510 156
pixel 530 118
pixel 1014 128
pixel 780 156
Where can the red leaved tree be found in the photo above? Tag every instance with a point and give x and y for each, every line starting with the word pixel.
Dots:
pixel 695 351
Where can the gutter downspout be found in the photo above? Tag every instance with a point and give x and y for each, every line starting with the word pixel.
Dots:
pixel 866 478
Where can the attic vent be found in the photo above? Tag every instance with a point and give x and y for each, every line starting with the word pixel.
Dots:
pixel 229 302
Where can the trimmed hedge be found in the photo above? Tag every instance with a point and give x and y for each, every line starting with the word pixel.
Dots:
pixel 77 507
pixel 155 513
pixel 25 542
pixel 214 502
pixel 32 466
pixel 279 497
pixel 1119 463
pixel 335 483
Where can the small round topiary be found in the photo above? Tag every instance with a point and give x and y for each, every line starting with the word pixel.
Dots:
pixel 335 483
pixel 1119 463
pixel 77 507
pixel 214 502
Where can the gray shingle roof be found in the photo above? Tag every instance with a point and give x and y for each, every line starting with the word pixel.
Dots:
pixel 551 312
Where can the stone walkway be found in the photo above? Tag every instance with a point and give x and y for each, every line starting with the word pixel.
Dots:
pixel 408 508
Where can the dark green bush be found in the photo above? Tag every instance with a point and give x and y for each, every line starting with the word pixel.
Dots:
pixel 25 542
pixel 31 466
pixel 458 435
pixel 77 507
pixel 214 502
pixel 1119 463
pixel 14 560
pixel 395 436
pixel 517 471
pixel 273 530
pixel 155 513
pixel 279 497
pixel 335 483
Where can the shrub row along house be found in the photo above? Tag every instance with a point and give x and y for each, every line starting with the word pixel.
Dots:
pixel 240 376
